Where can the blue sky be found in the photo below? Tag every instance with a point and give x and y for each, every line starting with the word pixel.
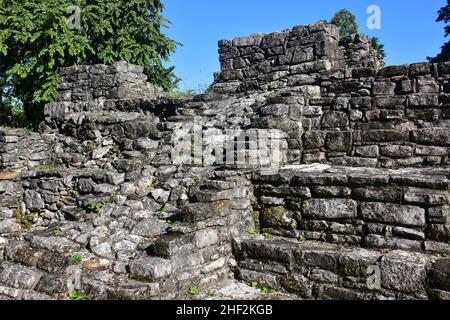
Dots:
pixel 409 31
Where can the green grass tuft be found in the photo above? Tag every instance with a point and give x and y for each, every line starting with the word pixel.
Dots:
pixel 74 295
pixel 76 258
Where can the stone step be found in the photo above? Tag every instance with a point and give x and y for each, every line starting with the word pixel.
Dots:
pixel 235 290
pixel 316 270
pixel 170 245
pixel 106 285
pixel 404 209
pixel 151 269
pixel 18 276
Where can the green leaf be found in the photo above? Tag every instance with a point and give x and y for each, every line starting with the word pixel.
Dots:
pixel 35 43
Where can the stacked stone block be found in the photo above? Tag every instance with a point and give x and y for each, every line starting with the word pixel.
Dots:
pixel 288 58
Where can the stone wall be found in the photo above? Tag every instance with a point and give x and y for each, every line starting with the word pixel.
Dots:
pixel 330 272
pixel 399 209
pixel 336 102
pixel 97 195
pixel 326 230
pixel 398 117
pixel 284 59
pixel 100 183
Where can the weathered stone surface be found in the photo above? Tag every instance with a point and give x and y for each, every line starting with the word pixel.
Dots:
pixel 339 141
pixel 439 215
pixel 54 244
pixel 53 262
pixel 195 212
pixel 396 151
pixel 367 151
pixel 323 259
pixel 207 196
pixel 440 275
pixel 381 242
pixel 403 271
pixel 357 262
pixel 386 194
pixel 383 88
pixel 423 100
pixel 206 238
pixel 151 268
pixel 19 277
pixel 278 217
pixel 408 233
pixel 9 226
pixel 33 200
pixel 394 214
pixel 335 120
pixel 331 192
pixel 314 139
pixel 150 228
pixel 436 136
pixel 384 136
pixel 51 285
pixel 330 209
pixel 426 196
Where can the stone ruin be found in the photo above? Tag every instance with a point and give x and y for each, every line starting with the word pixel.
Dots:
pixel 358 207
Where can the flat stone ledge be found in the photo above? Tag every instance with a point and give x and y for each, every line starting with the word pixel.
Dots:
pixel 433 178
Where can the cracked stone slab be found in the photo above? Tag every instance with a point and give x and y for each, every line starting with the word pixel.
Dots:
pixel 54 244
pixel 151 268
pixel 234 290
pixel 404 271
pixel 20 277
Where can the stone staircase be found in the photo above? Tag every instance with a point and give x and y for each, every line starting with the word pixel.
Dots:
pixel 350 233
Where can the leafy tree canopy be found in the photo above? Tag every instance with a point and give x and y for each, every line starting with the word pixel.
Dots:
pixel 377 45
pixel 444 16
pixel 347 25
pixel 346 22
pixel 35 42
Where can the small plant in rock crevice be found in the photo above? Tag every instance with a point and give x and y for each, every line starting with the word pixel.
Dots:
pixel 164 210
pixel 151 185
pixel 25 219
pixel 187 191
pixel 267 235
pixel 182 94
pixel 57 232
pixel 264 290
pixel 170 225
pixel 49 168
pixel 76 258
pixel 253 234
pixel 74 295
pixel 210 294
pixel 193 292
pixel 96 206
pixel 267 290
pixel 200 182
pixel 301 238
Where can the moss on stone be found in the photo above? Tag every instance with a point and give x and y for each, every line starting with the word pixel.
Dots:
pixel 273 217
pixel 291 284
pixel 274 213
pixel 25 220
pixel 256 216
